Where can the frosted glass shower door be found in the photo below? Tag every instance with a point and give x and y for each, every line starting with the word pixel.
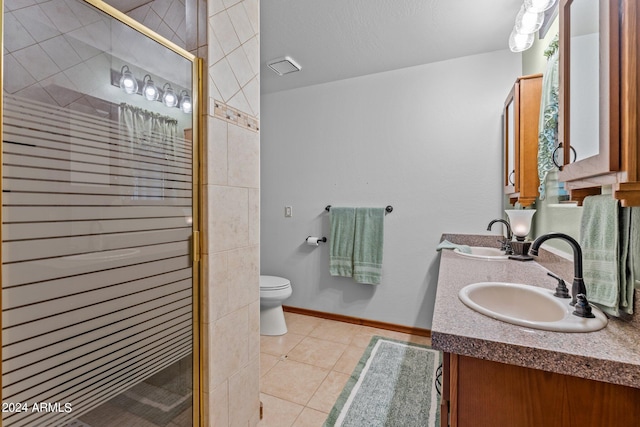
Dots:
pixel 97 221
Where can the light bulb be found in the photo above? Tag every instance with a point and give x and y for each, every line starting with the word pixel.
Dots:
pixel 528 22
pixel 538 6
pixel 520 42
pixel 128 82
pixel 185 102
pixel 169 97
pixel 149 90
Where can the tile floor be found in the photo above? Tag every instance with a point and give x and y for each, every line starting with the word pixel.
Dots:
pixel 169 388
pixel 303 372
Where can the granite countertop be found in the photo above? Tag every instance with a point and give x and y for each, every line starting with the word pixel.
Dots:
pixel 610 355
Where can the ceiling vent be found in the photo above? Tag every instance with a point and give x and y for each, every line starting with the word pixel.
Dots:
pixel 284 66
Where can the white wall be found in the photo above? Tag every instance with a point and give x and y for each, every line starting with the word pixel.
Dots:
pixel 425 139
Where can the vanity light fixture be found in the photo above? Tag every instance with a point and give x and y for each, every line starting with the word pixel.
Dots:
pixel 169 97
pixel 185 102
pixel 149 89
pixel 128 82
pixel 530 19
pixel 520 220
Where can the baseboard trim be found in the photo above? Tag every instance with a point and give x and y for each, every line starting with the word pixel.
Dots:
pixel 359 321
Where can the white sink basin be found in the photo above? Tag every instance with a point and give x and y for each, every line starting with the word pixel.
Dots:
pixel 480 252
pixel 528 306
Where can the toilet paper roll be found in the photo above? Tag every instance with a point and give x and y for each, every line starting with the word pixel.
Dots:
pixel 312 241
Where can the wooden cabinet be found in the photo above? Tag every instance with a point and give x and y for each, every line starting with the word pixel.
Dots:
pixel 482 393
pixel 521 116
pixel 615 159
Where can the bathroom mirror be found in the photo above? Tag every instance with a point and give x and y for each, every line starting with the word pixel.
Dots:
pixel 589 84
pixel 583 77
pixel 510 155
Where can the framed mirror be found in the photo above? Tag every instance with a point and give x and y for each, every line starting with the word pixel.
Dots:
pixel 589 87
pixel 510 178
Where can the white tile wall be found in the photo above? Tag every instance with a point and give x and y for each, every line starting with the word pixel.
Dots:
pixel 61 52
pixel 40 28
pixel 166 17
pixel 233 191
pixel 225 80
pixel 61 15
pixel 234 53
pixel 240 21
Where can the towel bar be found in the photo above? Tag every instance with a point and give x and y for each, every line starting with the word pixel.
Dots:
pixel 388 209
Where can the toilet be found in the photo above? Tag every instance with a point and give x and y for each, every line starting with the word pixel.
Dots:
pixel 273 291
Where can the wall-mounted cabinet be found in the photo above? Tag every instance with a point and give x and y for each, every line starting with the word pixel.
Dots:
pixel 599 92
pixel 521 116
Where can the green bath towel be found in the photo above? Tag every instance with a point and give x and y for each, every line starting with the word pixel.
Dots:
pixel 343 226
pixel 367 247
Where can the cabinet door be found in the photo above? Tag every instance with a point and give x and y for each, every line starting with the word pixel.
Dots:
pixel 589 112
pixel 484 393
pixel 521 116
pixel 614 158
pixel 530 88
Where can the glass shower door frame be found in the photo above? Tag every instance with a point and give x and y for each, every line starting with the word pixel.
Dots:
pixel 197 177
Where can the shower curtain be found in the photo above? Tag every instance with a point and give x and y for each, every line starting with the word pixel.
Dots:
pixel 155 136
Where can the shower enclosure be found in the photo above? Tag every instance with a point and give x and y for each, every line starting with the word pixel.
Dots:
pixel 99 220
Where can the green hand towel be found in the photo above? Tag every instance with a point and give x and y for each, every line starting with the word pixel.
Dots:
pixel 343 223
pixel 634 247
pixel 599 239
pixel 445 244
pixel 367 247
pixel 625 268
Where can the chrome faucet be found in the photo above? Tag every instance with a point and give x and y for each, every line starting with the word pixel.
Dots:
pixel 578 289
pixel 506 243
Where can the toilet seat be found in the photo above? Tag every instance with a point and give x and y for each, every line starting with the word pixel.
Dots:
pixel 273 283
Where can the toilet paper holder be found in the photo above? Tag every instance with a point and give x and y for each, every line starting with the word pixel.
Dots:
pixel 320 239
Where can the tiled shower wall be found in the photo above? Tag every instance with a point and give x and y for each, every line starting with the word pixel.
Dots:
pixel 229 39
pixel 165 17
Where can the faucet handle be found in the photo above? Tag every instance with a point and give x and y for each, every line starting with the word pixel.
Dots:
pixel 505 245
pixel 583 309
pixel 561 290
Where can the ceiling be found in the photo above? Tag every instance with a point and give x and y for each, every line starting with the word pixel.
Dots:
pixel 339 39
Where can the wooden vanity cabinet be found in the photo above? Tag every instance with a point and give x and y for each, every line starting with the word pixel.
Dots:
pixel 617 162
pixel 482 393
pixel 521 116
